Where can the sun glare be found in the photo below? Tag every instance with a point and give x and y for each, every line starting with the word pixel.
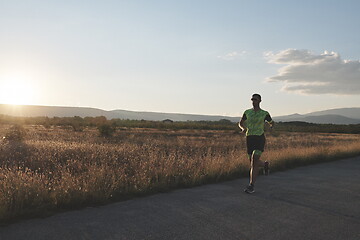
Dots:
pixel 16 91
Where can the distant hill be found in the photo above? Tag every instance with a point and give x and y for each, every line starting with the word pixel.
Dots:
pixel 156 116
pixel 331 118
pixel 334 116
pixel 54 111
pixel 346 112
pixel 49 111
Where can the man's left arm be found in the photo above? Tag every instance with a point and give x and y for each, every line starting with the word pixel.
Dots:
pixel 269 120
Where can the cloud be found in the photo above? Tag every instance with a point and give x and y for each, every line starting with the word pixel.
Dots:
pixel 232 55
pixel 308 73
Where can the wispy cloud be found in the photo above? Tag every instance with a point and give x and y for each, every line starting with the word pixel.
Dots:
pixel 309 73
pixel 232 55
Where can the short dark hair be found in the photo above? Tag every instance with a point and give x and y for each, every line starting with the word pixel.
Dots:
pixel 256 95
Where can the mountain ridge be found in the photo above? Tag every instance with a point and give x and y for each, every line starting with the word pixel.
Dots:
pixel 330 116
pixel 58 111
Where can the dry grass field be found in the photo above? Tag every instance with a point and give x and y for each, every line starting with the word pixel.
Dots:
pixel 57 168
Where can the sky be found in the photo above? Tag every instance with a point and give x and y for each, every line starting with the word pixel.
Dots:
pixel 189 56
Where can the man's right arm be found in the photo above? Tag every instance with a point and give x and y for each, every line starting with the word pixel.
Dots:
pixel 242 123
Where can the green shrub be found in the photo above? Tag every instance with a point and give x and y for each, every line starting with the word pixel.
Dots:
pixel 106 130
pixel 77 127
pixel 15 133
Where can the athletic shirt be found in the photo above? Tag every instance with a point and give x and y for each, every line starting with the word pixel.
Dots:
pixel 255 121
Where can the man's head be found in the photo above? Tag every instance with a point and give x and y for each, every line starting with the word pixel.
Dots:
pixel 256 99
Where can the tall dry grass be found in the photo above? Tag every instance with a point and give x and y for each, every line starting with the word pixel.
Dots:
pixel 58 168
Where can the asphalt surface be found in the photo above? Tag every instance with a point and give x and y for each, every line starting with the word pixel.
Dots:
pixel 315 202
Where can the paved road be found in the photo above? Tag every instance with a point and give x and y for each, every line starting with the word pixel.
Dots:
pixel 314 202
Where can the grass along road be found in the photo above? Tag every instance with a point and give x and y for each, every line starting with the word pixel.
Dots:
pixel 56 169
pixel 314 202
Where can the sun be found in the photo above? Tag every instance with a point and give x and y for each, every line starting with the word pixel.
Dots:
pixel 16 91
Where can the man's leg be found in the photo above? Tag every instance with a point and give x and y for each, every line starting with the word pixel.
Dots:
pixel 256 163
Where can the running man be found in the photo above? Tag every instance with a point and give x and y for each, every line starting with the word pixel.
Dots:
pixel 253 123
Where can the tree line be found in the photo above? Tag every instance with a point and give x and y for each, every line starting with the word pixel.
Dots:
pixel 78 124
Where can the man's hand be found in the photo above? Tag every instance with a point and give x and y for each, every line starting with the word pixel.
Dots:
pixel 242 126
pixel 243 129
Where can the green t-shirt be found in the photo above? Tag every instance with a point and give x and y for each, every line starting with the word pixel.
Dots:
pixel 255 121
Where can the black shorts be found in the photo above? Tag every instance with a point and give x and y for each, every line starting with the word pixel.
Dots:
pixel 254 142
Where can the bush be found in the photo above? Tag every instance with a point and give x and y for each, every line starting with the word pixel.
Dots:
pixel 15 133
pixel 77 127
pixel 106 130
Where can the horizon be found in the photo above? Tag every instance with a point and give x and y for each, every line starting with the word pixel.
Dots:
pixel 202 58
pixel 274 116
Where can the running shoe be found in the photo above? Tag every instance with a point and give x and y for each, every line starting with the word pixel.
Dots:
pixel 266 169
pixel 249 189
